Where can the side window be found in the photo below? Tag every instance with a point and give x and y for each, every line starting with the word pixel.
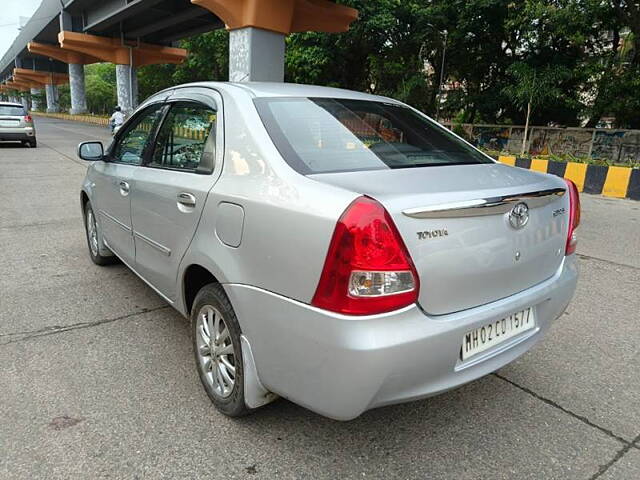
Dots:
pixel 183 136
pixel 133 144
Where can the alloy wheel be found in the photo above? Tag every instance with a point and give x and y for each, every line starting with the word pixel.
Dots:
pixel 215 351
pixel 92 232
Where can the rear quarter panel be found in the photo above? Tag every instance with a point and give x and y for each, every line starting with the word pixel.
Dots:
pixel 288 218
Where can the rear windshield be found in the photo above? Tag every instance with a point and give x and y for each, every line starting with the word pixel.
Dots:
pixel 321 135
pixel 11 111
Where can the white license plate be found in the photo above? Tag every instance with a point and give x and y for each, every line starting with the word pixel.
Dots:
pixel 490 335
pixel 9 123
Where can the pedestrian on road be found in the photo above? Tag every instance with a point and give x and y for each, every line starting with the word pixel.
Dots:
pixel 116 120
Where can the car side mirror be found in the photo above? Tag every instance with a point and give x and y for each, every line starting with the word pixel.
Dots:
pixel 91 151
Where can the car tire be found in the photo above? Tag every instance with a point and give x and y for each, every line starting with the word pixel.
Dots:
pixel 212 363
pixel 93 238
pixel 33 143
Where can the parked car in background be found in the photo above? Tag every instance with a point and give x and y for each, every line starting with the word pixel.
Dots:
pixel 16 125
pixel 338 249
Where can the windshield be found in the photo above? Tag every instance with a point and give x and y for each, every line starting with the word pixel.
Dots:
pixel 321 135
pixel 11 111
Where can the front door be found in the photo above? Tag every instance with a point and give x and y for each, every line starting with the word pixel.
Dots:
pixel 114 182
pixel 172 188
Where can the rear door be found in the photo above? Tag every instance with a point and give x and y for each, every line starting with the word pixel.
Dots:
pixel 172 188
pixel 114 181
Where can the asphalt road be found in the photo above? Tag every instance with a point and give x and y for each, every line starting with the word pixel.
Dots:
pixel 97 377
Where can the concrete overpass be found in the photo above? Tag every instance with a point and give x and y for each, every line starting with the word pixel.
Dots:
pixel 64 35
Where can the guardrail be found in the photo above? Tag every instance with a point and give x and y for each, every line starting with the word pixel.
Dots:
pixel 94 119
pixel 617 182
pixel 181 132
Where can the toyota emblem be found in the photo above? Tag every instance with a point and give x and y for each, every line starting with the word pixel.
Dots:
pixel 519 216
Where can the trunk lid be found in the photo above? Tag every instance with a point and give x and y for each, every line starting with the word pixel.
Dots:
pixel 467 257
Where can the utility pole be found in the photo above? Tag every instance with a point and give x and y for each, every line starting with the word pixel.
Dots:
pixel 445 36
pixel 440 84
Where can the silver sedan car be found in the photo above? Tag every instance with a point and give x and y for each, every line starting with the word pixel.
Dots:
pixel 338 249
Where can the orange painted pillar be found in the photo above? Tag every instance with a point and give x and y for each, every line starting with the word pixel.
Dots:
pixel 126 56
pixel 76 62
pixel 37 79
pixel 258 29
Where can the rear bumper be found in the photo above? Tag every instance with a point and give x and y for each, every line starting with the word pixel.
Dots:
pixel 340 366
pixel 15 134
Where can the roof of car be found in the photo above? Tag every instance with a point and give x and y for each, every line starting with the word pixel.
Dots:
pixel 280 89
pixel 10 104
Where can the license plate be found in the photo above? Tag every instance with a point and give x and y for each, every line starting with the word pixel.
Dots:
pixel 490 335
pixel 9 123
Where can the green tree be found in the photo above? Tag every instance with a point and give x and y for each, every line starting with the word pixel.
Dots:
pixel 534 88
pixel 395 48
pixel 154 78
pixel 208 58
pixel 614 70
pixel 64 97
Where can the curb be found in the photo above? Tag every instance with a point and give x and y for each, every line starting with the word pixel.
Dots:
pixel 616 182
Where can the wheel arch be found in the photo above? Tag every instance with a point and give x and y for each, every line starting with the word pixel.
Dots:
pixel 194 277
pixel 84 199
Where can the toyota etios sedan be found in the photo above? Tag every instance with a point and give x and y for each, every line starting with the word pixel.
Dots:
pixel 338 249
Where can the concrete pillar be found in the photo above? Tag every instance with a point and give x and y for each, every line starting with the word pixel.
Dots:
pixel 35 99
pixel 256 55
pixel 53 104
pixel 77 90
pixel 136 91
pixel 127 87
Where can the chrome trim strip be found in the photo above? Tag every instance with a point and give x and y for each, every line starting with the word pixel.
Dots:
pixel 485 206
pixel 161 248
pixel 116 221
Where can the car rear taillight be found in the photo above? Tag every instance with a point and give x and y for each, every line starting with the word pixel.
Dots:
pixel 368 269
pixel 28 119
pixel 574 217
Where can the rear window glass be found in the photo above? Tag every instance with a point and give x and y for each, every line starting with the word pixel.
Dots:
pixel 321 135
pixel 11 111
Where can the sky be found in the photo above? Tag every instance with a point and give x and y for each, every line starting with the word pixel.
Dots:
pixel 9 14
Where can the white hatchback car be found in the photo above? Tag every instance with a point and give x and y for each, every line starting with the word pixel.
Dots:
pixel 16 125
pixel 338 249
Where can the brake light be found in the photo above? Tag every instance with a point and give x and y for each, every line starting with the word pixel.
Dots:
pixel 574 217
pixel 368 269
pixel 28 119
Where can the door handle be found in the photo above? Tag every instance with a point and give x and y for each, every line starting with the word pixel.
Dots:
pixel 186 199
pixel 124 188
